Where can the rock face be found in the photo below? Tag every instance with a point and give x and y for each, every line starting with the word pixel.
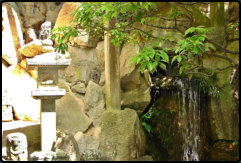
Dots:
pixel 83 61
pixel 84 40
pixel 94 102
pixel 137 99
pixel 79 88
pixel 136 94
pixel 52 15
pixel 12 35
pixel 67 143
pixel 70 114
pixel 75 145
pixel 121 135
pixel 129 73
pixel 100 55
pixel 64 16
pixel 233 11
pixel 224 150
pixel 86 142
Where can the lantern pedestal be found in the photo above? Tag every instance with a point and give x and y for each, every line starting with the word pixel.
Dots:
pixel 48 91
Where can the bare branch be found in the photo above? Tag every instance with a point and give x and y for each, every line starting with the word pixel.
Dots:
pixel 206 75
pixel 159 26
pixel 222 48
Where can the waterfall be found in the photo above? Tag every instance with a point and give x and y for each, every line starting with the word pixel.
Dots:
pixel 190 113
pixel 177 120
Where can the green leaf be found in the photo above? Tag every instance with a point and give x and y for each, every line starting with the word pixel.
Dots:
pixel 174 58
pixel 134 58
pixel 147 58
pixel 142 67
pixel 211 46
pixel 148 128
pixel 178 49
pixel 176 13
pixel 171 16
pixel 166 49
pixel 152 53
pixel 195 49
pixel 162 65
pixel 139 60
pixel 174 7
pixel 164 56
pixel 133 8
pixel 142 20
pixel 154 64
pixel 179 58
pixel 139 16
pixel 160 40
pixel 114 15
pixel 180 71
pixel 123 10
pixel 201 38
pixel 103 8
pixel 184 44
pixel 157 58
pixel 149 66
pixel 190 30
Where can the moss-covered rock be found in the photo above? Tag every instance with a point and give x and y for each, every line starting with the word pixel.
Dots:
pixel 121 135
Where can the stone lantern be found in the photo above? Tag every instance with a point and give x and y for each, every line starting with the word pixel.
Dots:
pixel 47 65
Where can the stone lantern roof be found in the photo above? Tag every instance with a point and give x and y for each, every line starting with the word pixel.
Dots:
pixel 50 59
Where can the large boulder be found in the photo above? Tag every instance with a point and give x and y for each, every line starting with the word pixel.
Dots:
pixel 121 136
pixel 67 143
pixel 83 61
pixel 137 99
pixel 25 7
pixel 100 53
pixel 70 114
pixel 93 131
pixel 86 142
pixel 83 40
pixel 79 88
pixel 64 16
pixel 51 6
pixel 129 72
pixel 94 103
pixel 52 15
pixel 40 8
pixel 14 6
pixel 33 20
pixel 233 11
pixel 76 144
pixel 12 34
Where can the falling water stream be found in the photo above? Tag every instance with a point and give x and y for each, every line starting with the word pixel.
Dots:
pixel 183 96
pixel 190 124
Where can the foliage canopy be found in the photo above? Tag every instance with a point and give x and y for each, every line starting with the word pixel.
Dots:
pixel 133 21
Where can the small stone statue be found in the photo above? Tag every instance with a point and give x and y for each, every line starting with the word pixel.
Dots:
pixel 16 146
pixel 95 75
pixel 46 30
